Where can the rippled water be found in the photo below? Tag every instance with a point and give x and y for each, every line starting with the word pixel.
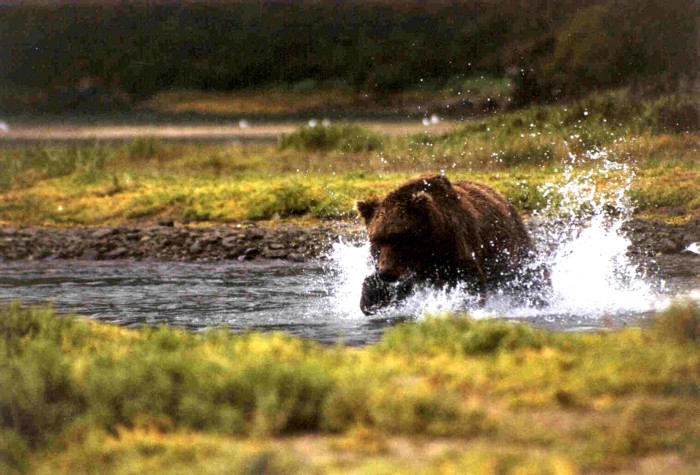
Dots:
pixel 312 300
pixel 295 298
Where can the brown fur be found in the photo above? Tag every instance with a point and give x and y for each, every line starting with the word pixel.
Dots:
pixel 442 232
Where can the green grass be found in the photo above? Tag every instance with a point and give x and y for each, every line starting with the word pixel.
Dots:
pixel 223 190
pixel 320 172
pixel 79 396
pixel 345 138
pixel 546 134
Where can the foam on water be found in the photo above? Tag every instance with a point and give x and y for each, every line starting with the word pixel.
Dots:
pixel 578 237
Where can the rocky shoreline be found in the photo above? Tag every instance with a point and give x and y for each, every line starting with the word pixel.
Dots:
pixel 170 242
pixel 654 237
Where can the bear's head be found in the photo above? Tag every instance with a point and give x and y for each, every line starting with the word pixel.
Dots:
pixel 406 228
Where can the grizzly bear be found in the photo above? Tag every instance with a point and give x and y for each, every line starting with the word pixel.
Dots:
pixel 432 231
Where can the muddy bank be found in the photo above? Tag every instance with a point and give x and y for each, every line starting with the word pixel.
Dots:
pixel 249 242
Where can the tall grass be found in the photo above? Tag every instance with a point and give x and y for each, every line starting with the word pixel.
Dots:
pixel 37 163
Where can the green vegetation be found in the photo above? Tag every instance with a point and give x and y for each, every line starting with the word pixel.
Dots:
pixel 320 172
pixel 570 47
pixel 79 396
pixel 345 138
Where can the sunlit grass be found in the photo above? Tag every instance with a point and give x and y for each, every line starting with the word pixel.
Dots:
pixel 79 396
pixel 320 172
pixel 210 185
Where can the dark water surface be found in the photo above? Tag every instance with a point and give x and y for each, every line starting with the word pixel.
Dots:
pixel 268 296
pixel 306 300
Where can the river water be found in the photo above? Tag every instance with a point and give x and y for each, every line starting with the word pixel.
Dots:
pixel 595 284
pixel 320 300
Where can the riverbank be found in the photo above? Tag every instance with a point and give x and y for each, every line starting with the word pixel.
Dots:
pixel 445 394
pixel 169 241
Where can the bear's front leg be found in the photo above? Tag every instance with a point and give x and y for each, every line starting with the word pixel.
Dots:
pixel 378 293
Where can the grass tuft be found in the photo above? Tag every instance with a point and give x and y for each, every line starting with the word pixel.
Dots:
pixel 85 163
pixel 293 199
pixel 345 138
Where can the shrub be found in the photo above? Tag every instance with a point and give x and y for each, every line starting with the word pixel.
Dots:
pixel 87 162
pixel 611 109
pixel 612 43
pixel 9 168
pixel 66 383
pixel 14 453
pixel 282 397
pixel 168 381
pixel 397 404
pixel 411 405
pixel 38 397
pixel 348 404
pixel 673 114
pixel 346 138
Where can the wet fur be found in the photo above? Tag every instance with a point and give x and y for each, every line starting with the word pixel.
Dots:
pixel 434 231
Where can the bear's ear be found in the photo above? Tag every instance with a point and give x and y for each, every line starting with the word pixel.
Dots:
pixel 441 180
pixel 367 209
pixel 421 199
pixel 437 182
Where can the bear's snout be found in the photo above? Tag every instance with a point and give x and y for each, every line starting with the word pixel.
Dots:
pixel 388 274
pixel 390 265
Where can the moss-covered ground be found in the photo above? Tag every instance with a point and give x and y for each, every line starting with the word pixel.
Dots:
pixel 446 394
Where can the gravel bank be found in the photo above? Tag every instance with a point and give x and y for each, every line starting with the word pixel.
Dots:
pixel 248 242
pixel 173 243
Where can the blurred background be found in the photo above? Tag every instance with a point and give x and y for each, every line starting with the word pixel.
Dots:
pixel 111 55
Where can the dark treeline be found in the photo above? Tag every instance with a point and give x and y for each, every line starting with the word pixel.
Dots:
pixel 567 46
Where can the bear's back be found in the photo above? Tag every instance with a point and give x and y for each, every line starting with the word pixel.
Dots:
pixel 498 223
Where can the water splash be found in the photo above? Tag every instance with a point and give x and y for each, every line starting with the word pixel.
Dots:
pixel 349 264
pixel 578 236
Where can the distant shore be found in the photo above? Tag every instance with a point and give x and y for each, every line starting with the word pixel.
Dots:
pixel 248 133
